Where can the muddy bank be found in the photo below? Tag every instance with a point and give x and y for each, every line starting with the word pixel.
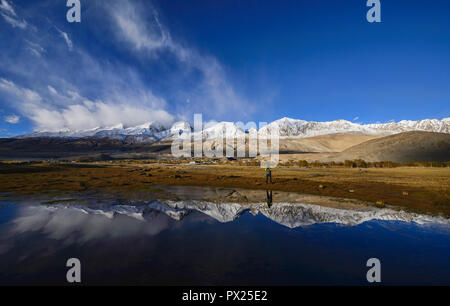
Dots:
pixel 242 196
pixel 421 190
pixel 191 193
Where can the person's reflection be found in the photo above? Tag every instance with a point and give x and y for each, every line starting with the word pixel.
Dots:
pixel 269 198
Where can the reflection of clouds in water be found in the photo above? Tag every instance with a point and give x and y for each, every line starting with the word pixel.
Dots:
pixel 79 224
pixel 73 224
pixel 76 225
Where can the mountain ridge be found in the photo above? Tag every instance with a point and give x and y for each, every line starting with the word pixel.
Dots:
pixel 403 147
pixel 288 128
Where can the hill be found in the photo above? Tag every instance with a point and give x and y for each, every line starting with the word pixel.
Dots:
pixel 323 143
pixel 58 147
pixel 403 147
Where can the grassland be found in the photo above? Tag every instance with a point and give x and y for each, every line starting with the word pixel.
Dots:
pixel 418 189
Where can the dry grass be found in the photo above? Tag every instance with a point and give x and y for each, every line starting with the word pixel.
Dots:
pixel 428 189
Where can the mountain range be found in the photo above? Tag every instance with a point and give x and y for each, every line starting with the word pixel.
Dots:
pixel 339 140
pixel 287 127
pixel 286 214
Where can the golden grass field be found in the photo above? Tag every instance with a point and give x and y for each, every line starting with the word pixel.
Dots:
pixel 419 189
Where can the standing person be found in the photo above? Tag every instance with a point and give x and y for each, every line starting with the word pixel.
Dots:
pixel 269 198
pixel 268 174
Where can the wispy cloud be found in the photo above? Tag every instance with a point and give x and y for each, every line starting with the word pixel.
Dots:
pixel 117 95
pixel 85 90
pixel 13 119
pixel 52 90
pixel 96 114
pixel 35 48
pixel 142 35
pixel 8 13
pixel 213 95
pixel 66 38
pixel 81 113
pixel 7 8
pixel 24 94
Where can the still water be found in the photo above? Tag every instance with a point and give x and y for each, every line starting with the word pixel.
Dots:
pixel 205 243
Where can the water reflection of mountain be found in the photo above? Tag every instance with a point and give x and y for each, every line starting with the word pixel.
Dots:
pixel 286 214
pixel 296 215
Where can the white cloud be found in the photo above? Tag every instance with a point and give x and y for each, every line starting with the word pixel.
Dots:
pixel 10 16
pixel 16 23
pixel 13 119
pixel 19 93
pixel 5 84
pixel 34 52
pixel 88 92
pixel 66 38
pixel 214 95
pixel 35 48
pixel 52 90
pixel 84 114
pixel 356 118
pixel 133 29
pixel 6 7
pixel 96 114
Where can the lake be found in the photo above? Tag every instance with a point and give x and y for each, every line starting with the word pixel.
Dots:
pixel 197 242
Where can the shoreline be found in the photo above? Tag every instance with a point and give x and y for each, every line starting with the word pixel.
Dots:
pixel 420 190
pixel 224 205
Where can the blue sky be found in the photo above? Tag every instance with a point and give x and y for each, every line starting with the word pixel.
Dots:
pixel 132 62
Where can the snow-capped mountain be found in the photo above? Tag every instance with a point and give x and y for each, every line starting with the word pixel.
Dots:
pixel 150 131
pixel 430 125
pixel 147 129
pixel 218 211
pixel 287 127
pixel 287 214
pixel 223 129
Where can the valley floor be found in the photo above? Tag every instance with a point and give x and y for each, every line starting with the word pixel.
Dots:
pixel 422 190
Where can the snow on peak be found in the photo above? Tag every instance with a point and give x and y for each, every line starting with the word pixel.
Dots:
pixel 227 129
pixel 300 128
pixel 287 127
pixel 180 126
pixel 291 215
